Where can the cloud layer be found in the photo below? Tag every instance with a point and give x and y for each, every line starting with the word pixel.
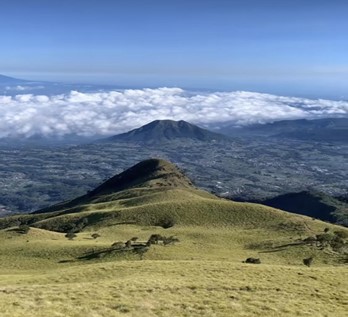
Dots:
pixel 112 112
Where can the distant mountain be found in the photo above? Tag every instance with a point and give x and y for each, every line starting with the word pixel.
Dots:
pixel 10 80
pixel 312 204
pixel 166 130
pixel 329 129
pixel 38 140
pixel 13 86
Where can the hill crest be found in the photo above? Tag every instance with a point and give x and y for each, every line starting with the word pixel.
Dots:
pixel 149 173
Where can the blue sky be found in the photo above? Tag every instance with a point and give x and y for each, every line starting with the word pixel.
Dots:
pixel 283 47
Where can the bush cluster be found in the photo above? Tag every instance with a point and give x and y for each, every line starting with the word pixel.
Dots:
pixel 336 240
pixel 142 247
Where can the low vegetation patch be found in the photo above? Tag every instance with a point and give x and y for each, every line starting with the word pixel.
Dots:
pixel 130 247
pixel 23 229
pixel 252 261
pixel 337 241
pixel 308 261
pixel 166 221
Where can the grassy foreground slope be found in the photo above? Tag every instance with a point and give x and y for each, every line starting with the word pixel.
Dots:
pixel 198 276
pixel 45 274
pixel 176 288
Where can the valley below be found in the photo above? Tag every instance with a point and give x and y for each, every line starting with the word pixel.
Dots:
pixel 33 177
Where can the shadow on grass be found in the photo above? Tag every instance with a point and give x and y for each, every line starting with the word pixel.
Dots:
pixel 135 249
pixel 283 247
pixel 278 248
pixel 66 261
pixel 94 255
pixel 101 254
pixel 133 222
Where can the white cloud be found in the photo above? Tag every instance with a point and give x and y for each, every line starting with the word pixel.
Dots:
pixel 107 113
pixel 23 88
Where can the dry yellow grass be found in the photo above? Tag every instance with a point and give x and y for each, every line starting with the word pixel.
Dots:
pixel 202 275
pixel 177 288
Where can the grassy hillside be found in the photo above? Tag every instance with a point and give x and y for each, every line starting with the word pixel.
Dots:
pixel 149 193
pixel 98 273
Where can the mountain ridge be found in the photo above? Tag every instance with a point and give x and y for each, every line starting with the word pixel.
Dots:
pixel 325 129
pixel 10 80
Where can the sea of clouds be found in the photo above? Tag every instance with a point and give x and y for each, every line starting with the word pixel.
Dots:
pixel 112 112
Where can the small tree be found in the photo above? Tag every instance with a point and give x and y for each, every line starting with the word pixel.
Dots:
pixel 253 261
pixel 24 229
pixel 166 221
pixel 154 239
pixel 95 235
pixel 71 235
pixel 308 261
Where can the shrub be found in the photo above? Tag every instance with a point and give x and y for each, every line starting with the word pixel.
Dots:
pixel 118 245
pixel 70 235
pixel 154 239
pixel 165 222
pixel 342 234
pixel 337 243
pixel 82 223
pixel 23 229
pixel 252 261
pixel 324 238
pixel 308 261
pixel 169 240
pixel 310 240
pixel 95 235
